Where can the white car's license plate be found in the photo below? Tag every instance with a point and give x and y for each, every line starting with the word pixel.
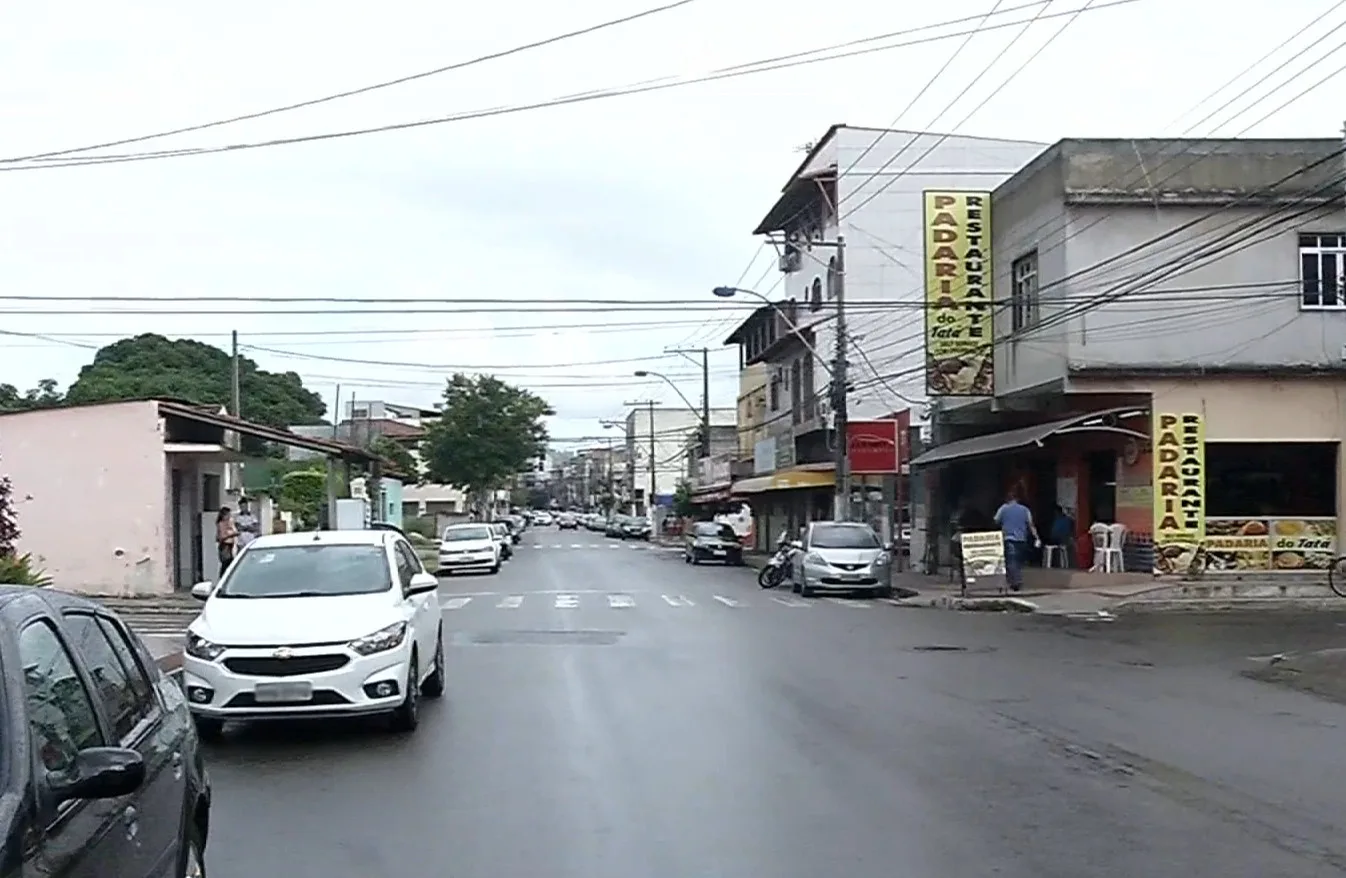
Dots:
pixel 850 577
pixel 282 693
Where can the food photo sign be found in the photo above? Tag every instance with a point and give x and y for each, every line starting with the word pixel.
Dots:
pixel 959 353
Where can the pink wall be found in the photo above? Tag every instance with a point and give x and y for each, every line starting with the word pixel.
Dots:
pixel 90 495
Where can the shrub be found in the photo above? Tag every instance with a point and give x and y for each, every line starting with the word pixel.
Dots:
pixel 9 526
pixel 421 525
pixel 20 570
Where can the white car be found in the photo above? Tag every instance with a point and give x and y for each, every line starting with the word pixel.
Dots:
pixel 468 548
pixel 542 519
pixel 317 624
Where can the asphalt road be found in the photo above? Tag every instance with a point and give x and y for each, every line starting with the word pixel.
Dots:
pixel 613 713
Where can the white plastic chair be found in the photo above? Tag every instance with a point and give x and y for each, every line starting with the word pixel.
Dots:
pixel 1107 543
pixel 1052 554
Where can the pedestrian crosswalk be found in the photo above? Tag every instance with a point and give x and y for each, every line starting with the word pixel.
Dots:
pixel 609 546
pixel 575 600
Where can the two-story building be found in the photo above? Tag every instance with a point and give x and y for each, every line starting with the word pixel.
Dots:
pixel 865 186
pixel 656 451
pixel 1169 354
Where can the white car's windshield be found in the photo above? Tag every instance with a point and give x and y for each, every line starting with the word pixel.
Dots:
pixel 321 570
pixel 836 537
pixel 466 534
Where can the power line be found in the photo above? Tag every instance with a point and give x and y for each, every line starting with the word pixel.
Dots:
pixel 402 80
pixel 565 100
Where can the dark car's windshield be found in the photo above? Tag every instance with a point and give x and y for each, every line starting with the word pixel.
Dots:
pixel 714 529
pixel 320 570
pixel 838 537
pixel 465 534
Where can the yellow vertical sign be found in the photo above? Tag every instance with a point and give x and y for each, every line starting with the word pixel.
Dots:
pixel 1179 462
pixel 959 357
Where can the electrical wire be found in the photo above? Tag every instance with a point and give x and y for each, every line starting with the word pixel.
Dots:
pixel 18 164
pixel 401 80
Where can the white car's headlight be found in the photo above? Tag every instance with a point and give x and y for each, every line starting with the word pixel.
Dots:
pixel 381 640
pixel 881 560
pixel 815 558
pixel 199 647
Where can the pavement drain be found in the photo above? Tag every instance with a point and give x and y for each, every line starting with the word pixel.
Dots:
pixel 944 647
pixel 528 637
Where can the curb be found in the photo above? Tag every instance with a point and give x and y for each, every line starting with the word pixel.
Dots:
pixel 973 604
pixel 170 664
pixel 1225 605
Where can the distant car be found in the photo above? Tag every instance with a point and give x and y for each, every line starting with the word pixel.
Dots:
pixel 103 772
pixel 636 528
pixel 712 541
pixel 542 519
pixel 567 521
pixel 500 531
pixel 615 527
pixel 841 556
pixel 315 625
pixel 468 548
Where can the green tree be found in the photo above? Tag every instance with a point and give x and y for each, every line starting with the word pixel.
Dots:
pixel 303 494
pixel 397 455
pixel 148 366
pixel 9 525
pixel 488 432
pixel 682 501
pixel 44 395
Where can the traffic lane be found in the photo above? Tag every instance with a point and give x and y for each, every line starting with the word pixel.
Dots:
pixel 763 738
pixel 698 739
pixel 1160 700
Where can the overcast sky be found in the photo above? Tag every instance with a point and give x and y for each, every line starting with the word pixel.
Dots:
pixel 649 197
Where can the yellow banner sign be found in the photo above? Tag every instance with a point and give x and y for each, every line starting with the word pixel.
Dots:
pixel 1179 442
pixel 959 357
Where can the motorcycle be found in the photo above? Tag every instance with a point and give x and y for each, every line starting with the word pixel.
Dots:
pixel 773 574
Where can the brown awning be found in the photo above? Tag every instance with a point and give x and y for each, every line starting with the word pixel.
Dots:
pixel 1108 421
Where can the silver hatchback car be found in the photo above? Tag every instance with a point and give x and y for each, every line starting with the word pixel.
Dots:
pixel 841 556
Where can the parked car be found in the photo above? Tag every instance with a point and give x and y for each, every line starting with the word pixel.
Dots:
pixel 315 625
pixel 500 531
pixel 616 527
pixel 103 772
pixel 841 556
pixel 542 519
pixel 567 521
pixel 635 528
pixel 711 541
pixel 469 548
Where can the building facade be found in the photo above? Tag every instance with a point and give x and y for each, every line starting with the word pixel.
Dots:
pixel 1169 354
pixel 864 186
pixel 656 451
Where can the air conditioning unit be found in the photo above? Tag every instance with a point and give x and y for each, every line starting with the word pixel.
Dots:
pixel 789 261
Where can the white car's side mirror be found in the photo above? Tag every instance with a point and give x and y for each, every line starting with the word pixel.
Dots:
pixel 202 590
pixel 422 583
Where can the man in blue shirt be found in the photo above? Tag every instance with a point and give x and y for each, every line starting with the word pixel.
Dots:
pixel 1016 523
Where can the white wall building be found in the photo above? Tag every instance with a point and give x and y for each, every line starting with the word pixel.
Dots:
pixel 867 184
pixel 671 427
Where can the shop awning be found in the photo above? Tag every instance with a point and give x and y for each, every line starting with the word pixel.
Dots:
pixel 1108 421
pixel 800 477
pixel 712 493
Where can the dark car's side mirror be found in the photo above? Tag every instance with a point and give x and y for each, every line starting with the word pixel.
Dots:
pixel 99 773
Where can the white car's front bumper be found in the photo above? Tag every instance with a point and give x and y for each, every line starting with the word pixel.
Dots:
pixel 826 576
pixel 342 682
pixel 467 562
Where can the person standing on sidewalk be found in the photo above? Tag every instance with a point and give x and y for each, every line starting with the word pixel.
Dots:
pixel 246 523
pixel 226 535
pixel 1016 523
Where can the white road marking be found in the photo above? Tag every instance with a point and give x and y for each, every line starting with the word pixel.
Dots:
pixel 556 546
pixel 789 602
pixel 621 601
pixel 728 602
pixel 614 546
pixel 510 602
pixel 677 600
pixel 847 602
pixel 576 546
pixel 896 602
pixel 456 603
pixel 567 601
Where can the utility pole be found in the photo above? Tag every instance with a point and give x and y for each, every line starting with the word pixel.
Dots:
pixel 649 498
pixel 842 510
pixel 705 392
pixel 236 389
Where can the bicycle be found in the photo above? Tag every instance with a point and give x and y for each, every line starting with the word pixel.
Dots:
pixel 1336 576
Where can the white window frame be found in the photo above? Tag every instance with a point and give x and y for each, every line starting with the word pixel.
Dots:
pixel 1326 252
pixel 1025 302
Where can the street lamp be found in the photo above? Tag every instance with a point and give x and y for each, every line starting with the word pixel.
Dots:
pixel 730 292
pixel 700 415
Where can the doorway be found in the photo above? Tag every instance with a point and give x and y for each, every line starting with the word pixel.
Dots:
pixel 1102 487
